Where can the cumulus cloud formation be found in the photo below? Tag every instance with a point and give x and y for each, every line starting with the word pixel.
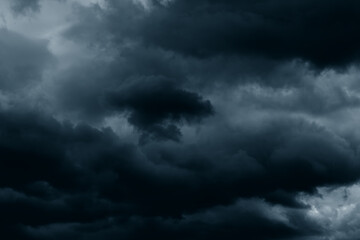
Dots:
pixel 179 120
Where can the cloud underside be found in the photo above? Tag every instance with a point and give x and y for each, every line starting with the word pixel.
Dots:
pixel 180 120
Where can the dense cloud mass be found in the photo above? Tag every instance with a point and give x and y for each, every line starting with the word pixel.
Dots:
pixel 179 119
pixel 323 32
pixel 153 102
pixel 25 6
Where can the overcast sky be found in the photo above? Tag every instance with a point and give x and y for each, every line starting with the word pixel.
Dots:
pixel 179 119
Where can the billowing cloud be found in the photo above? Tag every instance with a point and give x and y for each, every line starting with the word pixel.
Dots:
pixel 131 183
pixel 155 105
pixel 321 32
pixel 179 120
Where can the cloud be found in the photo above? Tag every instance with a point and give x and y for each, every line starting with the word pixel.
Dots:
pixel 336 209
pixel 231 132
pixel 24 7
pixel 210 224
pixel 321 32
pixel 22 60
pixel 155 105
pixel 88 176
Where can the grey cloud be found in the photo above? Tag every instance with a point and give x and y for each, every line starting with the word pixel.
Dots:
pixel 22 60
pixel 120 180
pixel 232 83
pixel 24 7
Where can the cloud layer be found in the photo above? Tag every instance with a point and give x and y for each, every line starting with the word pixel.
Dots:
pixel 179 119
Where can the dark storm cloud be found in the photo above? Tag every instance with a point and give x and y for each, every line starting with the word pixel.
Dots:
pixel 25 6
pixel 156 105
pixel 243 163
pixel 82 87
pixel 323 32
pixel 214 223
pixel 48 174
pixel 123 30
pixel 143 82
pixel 53 173
pixel 22 60
pixel 222 176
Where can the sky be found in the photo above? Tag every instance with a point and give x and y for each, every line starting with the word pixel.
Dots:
pixel 179 119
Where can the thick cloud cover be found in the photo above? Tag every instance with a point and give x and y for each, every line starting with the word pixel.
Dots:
pixel 323 32
pixel 25 6
pixel 153 102
pixel 179 120
pixel 88 176
pixel 22 60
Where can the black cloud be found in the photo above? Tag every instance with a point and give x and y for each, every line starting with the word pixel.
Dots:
pixel 82 175
pixel 155 105
pixel 212 224
pixel 178 119
pixel 323 32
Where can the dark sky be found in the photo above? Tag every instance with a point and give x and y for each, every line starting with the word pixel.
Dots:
pixel 179 119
